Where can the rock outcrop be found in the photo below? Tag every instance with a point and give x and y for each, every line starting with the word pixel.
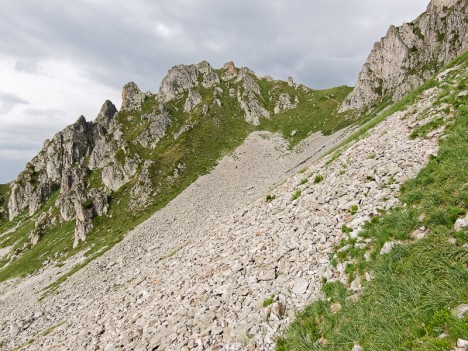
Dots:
pixel 181 78
pixel 410 54
pixel 87 161
pixel 132 97
pixel 248 97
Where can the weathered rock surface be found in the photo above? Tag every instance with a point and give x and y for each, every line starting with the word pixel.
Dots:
pixel 132 97
pixel 248 98
pixel 284 103
pixel 410 54
pixel 181 78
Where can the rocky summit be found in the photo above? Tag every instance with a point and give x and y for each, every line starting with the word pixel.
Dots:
pixel 408 55
pixel 229 211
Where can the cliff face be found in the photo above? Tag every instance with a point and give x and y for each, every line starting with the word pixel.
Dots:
pixel 411 53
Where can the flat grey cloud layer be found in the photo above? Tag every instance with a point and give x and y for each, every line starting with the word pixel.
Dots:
pixel 60 59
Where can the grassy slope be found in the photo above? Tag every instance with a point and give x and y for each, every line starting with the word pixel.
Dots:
pixel 213 135
pixel 407 305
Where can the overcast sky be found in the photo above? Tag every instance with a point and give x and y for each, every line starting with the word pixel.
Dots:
pixel 62 59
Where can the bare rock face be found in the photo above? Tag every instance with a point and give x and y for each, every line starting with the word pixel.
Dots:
pixel 248 98
pixel 84 214
pixel 106 116
pixel 284 103
pixel 142 191
pixel 159 121
pixel 132 97
pixel 181 78
pixel 43 174
pixel 230 71
pixel 193 99
pixel 408 55
pixel 118 172
pixel 72 190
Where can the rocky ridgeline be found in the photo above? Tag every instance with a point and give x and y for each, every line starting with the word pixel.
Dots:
pixel 233 281
pixel 103 149
pixel 408 55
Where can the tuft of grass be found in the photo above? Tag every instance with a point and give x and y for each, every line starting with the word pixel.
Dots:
pixel 270 198
pixel 318 179
pixel 303 181
pixel 267 302
pixel 353 209
pixel 296 195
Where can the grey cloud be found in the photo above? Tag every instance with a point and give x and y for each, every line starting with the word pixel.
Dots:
pixel 8 101
pixel 118 43
pixel 27 67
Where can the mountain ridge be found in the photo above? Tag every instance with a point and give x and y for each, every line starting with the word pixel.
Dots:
pixel 203 265
pixel 410 54
pixel 143 155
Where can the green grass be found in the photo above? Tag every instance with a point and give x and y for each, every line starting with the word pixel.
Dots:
pixel 353 209
pixel 318 178
pixel 317 112
pixel 270 198
pixel 267 302
pixel 296 195
pixel 407 304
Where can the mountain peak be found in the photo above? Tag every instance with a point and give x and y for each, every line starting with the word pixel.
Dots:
pixel 410 54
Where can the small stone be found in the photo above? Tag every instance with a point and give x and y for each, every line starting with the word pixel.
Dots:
pixel 462 343
pixel 419 233
pixel 217 331
pixel 461 223
pixel 293 133
pixel 335 308
pixel 269 274
pixel 300 286
pixel 356 348
pixel 388 246
pixel 278 309
pixel 460 311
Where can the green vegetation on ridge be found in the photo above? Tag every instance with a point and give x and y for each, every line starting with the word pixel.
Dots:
pixel 176 163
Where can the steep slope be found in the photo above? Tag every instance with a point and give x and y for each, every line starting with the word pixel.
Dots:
pixel 408 55
pixel 94 181
pixel 235 279
pixel 400 279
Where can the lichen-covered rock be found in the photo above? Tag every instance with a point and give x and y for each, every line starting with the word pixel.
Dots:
pixel 142 192
pixel 193 99
pixel 248 98
pixel 181 78
pixel 408 55
pixel 284 103
pixel 132 97
pixel 159 121
pixel 84 214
